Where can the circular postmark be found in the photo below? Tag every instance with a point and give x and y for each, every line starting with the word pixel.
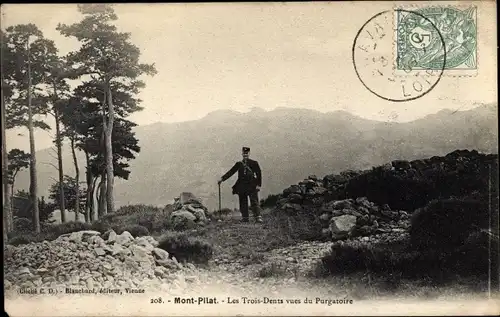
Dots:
pixel 399 55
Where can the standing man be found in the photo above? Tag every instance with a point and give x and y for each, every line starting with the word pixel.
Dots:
pixel 248 184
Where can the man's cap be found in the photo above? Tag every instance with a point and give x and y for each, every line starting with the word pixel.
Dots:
pixel 245 149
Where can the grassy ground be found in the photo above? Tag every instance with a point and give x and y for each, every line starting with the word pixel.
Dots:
pixel 256 254
pixel 271 256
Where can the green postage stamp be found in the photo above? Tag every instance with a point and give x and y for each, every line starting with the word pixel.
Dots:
pixel 439 39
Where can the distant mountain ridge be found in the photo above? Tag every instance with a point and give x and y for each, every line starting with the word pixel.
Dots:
pixel 288 143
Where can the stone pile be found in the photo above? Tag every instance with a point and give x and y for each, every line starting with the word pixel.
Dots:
pixel 310 191
pixel 456 161
pixel 341 219
pixel 404 185
pixel 87 259
pixel 349 218
pixel 188 207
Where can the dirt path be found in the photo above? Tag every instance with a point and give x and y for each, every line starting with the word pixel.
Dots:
pixel 250 264
pixel 249 260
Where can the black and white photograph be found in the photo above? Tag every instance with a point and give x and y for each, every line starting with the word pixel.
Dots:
pixel 250 158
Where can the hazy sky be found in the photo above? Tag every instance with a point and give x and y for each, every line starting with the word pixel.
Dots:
pixel 238 56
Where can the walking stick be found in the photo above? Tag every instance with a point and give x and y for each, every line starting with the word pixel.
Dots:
pixel 219 200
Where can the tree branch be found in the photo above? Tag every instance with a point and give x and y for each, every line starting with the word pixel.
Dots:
pixel 57 169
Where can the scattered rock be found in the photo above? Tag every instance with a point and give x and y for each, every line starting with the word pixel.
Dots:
pixel 124 238
pixel 183 214
pixel 110 235
pixel 100 251
pixel 341 226
pixel 71 261
pixel 160 254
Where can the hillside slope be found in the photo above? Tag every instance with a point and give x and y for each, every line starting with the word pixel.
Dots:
pixel 288 143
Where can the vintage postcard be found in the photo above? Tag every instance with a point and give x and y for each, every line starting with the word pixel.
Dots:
pixel 250 159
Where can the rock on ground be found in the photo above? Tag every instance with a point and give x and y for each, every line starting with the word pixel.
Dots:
pixel 85 259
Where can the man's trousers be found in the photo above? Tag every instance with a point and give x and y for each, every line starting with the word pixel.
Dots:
pixel 254 204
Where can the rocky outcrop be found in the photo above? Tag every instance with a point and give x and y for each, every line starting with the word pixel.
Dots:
pixel 188 209
pixel 340 219
pixel 402 186
pixel 85 259
pixel 409 185
pixel 349 218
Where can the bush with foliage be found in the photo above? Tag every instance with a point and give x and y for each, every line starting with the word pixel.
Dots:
pixel 181 223
pixel 154 219
pixel 270 201
pixel 273 269
pixel 134 209
pixel 23 238
pixel 135 230
pixel 186 248
pixel 446 224
pixel 23 225
pixel 67 227
pixel 304 225
pixel 471 259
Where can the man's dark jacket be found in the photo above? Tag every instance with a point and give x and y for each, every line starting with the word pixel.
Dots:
pixel 247 182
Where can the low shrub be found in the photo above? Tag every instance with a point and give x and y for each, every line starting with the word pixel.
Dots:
pixel 154 219
pixel 273 269
pixel 446 224
pixel 22 225
pixel 23 238
pixel 347 258
pixel 101 226
pixel 135 230
pixel 67 227
pixel 140 208
pixel 301 226
pixel 471 259
pixel 181 224
pixel 219 214
pixel 270 201
pixel 186 248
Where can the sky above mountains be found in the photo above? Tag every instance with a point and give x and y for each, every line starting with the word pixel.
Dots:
pixel 238 56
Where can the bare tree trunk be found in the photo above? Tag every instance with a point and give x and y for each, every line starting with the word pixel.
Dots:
pixel 62 203
pixel 33 176
pixel 7 207
pixel 93 194
pixel 90 191
pixel 77 177
pixel 12 188
pixel 101 211
pixel 109 150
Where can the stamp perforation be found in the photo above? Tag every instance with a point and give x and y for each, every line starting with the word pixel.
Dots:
pixel 446 72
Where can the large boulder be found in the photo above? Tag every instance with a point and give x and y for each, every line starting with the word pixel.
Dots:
pixel 199 213
pixel 183 214
pixel 160 254
pixel 340 226
pixel 125 238
pixel 186 204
